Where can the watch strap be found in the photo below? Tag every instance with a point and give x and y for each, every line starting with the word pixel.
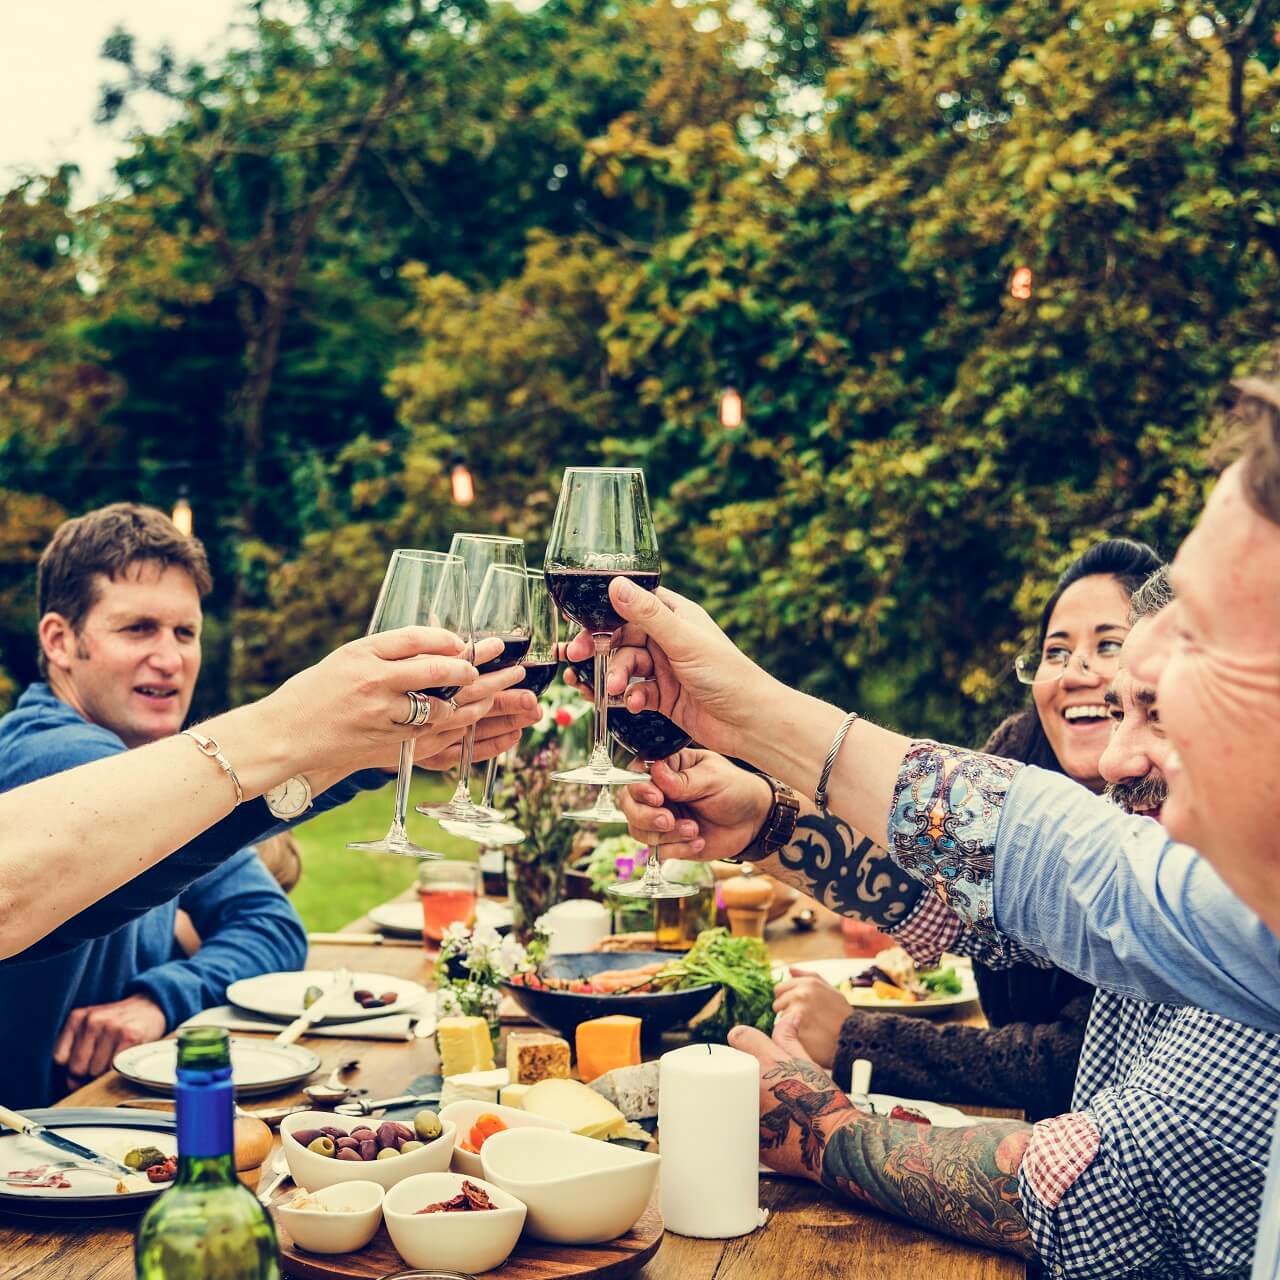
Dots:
pixel 778 827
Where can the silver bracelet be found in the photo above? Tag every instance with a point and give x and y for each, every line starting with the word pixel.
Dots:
pixel 210 748
pixel 820 795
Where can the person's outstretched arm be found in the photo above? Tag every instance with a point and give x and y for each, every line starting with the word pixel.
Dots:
pixel 134 809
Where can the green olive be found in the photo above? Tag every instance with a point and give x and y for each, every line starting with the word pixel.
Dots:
pixel 427 1126
pixel 387 1151
pixel 406 1147
pixel 133 1158
pixel 311 995
pixel 322 1146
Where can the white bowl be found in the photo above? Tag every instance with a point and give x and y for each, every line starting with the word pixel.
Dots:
pixel 579 1190
pixel 350 1222
pixel 474 1241
pixel 314 1171
pixel 464 1114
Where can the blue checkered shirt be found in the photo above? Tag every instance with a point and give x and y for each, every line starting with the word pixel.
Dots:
pixel 1162 1168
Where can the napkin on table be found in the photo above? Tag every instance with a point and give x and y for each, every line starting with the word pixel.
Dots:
pixel 396 1026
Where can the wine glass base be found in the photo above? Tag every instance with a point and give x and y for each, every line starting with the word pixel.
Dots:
pixel 633 889
pixel 487 833
pixel 603 814
pixel 451 809
pixel 389 844
pixel 589 776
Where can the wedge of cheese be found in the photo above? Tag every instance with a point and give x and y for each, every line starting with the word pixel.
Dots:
pixel 474 1086
pixel 633 1090
pixel 513 1095
pixel 582 1109
pixel 465 1045
pixel 606 1043
pixel 537 1055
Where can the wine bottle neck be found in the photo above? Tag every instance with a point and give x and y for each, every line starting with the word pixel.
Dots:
pixel 205 1171
pixel 205 1105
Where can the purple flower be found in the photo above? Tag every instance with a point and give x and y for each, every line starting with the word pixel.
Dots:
pixel 624 866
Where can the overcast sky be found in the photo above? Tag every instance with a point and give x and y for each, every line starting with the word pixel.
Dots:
pixel 50 74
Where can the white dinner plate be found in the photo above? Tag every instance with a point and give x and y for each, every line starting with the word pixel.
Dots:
pixel 279 995
pixel 935 1112
pixel 257 1066
pixel 405 918
pixel 837 969
pixel 91 1194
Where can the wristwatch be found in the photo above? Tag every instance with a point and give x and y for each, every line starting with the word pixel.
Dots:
pixel 290 799
pixel 778 827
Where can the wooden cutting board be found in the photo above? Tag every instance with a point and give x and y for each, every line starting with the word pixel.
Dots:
pixel 530 1260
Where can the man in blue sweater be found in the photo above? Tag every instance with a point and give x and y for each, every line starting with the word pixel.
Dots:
pixel 119 601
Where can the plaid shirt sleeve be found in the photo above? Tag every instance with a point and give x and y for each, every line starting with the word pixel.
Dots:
pixel 1161 1175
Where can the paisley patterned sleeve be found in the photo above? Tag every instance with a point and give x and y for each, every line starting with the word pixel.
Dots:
pixel 943 825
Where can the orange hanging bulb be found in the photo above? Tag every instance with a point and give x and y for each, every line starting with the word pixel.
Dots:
pixel 1020 284
pixel 182 515
pixel 464 489
pixel 730 408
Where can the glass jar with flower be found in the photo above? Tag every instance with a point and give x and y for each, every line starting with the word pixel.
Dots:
pixel 471 965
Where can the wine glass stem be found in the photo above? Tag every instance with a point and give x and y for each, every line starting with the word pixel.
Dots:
pixel 652 872
pixel 462 792
pixel 490 776
pixel 403 777
pixel 600 758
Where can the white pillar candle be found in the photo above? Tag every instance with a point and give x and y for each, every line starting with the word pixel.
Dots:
pixel 709 1136
pixel 577 924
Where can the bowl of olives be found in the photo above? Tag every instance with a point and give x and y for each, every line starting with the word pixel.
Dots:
pixel 322 1149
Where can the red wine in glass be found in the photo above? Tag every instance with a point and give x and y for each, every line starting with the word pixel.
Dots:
pixel 513 649
pixel 538 677
pixel 583 595
pixel 647 734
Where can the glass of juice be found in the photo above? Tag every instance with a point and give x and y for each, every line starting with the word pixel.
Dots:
pixel 448 891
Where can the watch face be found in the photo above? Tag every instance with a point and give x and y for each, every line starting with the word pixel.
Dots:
pixel 289 798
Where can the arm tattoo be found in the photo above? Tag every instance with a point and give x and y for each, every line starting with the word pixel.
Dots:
pixel 961 1182
pixel 847 872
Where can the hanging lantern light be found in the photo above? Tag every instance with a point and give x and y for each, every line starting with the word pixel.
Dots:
pixel 182 516
pixel 1020 284
pixel 464 488
pixel 731 408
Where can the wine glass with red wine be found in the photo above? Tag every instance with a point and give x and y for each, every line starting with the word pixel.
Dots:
pixel 502 610
pixel 478 551
pixel 421 588
pixel 602 530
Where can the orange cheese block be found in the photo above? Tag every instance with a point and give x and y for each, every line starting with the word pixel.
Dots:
pixel 606 1043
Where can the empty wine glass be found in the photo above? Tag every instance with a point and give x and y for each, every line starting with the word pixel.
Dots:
pixel 602 530
pixel 501 611
pixel 420 588
pixel 478 551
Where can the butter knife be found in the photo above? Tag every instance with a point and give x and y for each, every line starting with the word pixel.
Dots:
pixel 367 1106
pixel 85 1154
pixel 341 984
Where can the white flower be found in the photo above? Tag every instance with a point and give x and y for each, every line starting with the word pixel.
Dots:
pixel 455 933
pixel 511 955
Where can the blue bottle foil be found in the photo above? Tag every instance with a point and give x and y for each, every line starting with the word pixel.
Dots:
pixel 206 1112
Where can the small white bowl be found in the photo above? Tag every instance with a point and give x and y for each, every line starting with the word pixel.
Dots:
pixel 314 1171
pixel 579 1190
pixel 474 1241
pixel 464 1114
pixel 349 1223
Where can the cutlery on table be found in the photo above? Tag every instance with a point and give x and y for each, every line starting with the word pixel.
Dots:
pixel 342 983
pixel 19 1178
pixel 333 1090
pixel 280 1171
pixel 367 1106
pixel 860 1085
pixel 363 940
pixel 82 1154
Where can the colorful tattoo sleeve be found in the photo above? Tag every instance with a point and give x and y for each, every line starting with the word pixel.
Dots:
pixel 944 821
pixel 961 1182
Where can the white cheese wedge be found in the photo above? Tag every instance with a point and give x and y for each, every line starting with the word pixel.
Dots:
pixel 474 1086
pixel 465 1045
pixel 633 1090
pixel 513 1095
pixel 572 1103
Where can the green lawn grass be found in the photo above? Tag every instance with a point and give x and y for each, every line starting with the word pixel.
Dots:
pixel 338 884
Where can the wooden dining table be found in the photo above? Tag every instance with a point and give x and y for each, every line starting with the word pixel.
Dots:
pixel 809 1233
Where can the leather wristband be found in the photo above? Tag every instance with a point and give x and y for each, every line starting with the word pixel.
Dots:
pixel 778 827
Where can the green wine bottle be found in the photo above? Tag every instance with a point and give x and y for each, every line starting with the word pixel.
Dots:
pixel 207 1226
